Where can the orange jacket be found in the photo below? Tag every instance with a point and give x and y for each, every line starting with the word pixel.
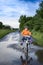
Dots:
pixel 26 33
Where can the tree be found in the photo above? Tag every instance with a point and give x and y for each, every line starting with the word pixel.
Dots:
pixel 35 22
pixel 40 10
pixel 1 24
pixel 7 27
pixel 23 20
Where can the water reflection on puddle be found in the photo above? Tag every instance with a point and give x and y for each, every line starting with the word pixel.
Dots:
pixel 35 55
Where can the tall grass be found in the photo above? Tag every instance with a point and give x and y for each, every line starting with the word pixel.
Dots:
pixel 39 37
pixel 3 32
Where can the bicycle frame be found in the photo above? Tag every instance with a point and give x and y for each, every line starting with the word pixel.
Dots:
pixel 27 49
pixel 27 60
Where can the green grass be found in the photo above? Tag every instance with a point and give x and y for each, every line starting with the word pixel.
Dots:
pixel 39 37
pixel 4 32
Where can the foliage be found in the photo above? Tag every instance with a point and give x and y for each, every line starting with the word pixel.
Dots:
pixel 35 22
pixel 23 21
pixel 1 24
pixel 4 26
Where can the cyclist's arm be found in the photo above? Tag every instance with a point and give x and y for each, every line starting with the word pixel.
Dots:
pixel 29 33
pixel 22 32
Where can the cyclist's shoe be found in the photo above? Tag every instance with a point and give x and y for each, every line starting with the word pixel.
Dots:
pixel 21 43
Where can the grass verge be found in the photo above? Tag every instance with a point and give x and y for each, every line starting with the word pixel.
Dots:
pixel 39 37
pixel 4 32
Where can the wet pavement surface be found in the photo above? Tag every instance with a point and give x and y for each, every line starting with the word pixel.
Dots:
pixel 10 52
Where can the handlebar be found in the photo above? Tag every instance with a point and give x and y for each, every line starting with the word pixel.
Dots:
pixel 27 39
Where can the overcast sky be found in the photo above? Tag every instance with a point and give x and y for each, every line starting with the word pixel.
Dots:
pixel 11 10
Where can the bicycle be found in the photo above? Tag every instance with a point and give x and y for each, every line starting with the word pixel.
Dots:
pixel 27 60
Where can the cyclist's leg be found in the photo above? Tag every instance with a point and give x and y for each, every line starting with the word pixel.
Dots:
pixel 22 41
pixel 23 38
pixel 30 42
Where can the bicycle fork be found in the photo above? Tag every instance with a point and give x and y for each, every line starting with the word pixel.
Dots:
pixel 27 53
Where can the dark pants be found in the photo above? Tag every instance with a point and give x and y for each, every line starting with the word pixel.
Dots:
pixel 25 38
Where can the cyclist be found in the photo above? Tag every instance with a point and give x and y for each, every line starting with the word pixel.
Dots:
pixel 26 34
